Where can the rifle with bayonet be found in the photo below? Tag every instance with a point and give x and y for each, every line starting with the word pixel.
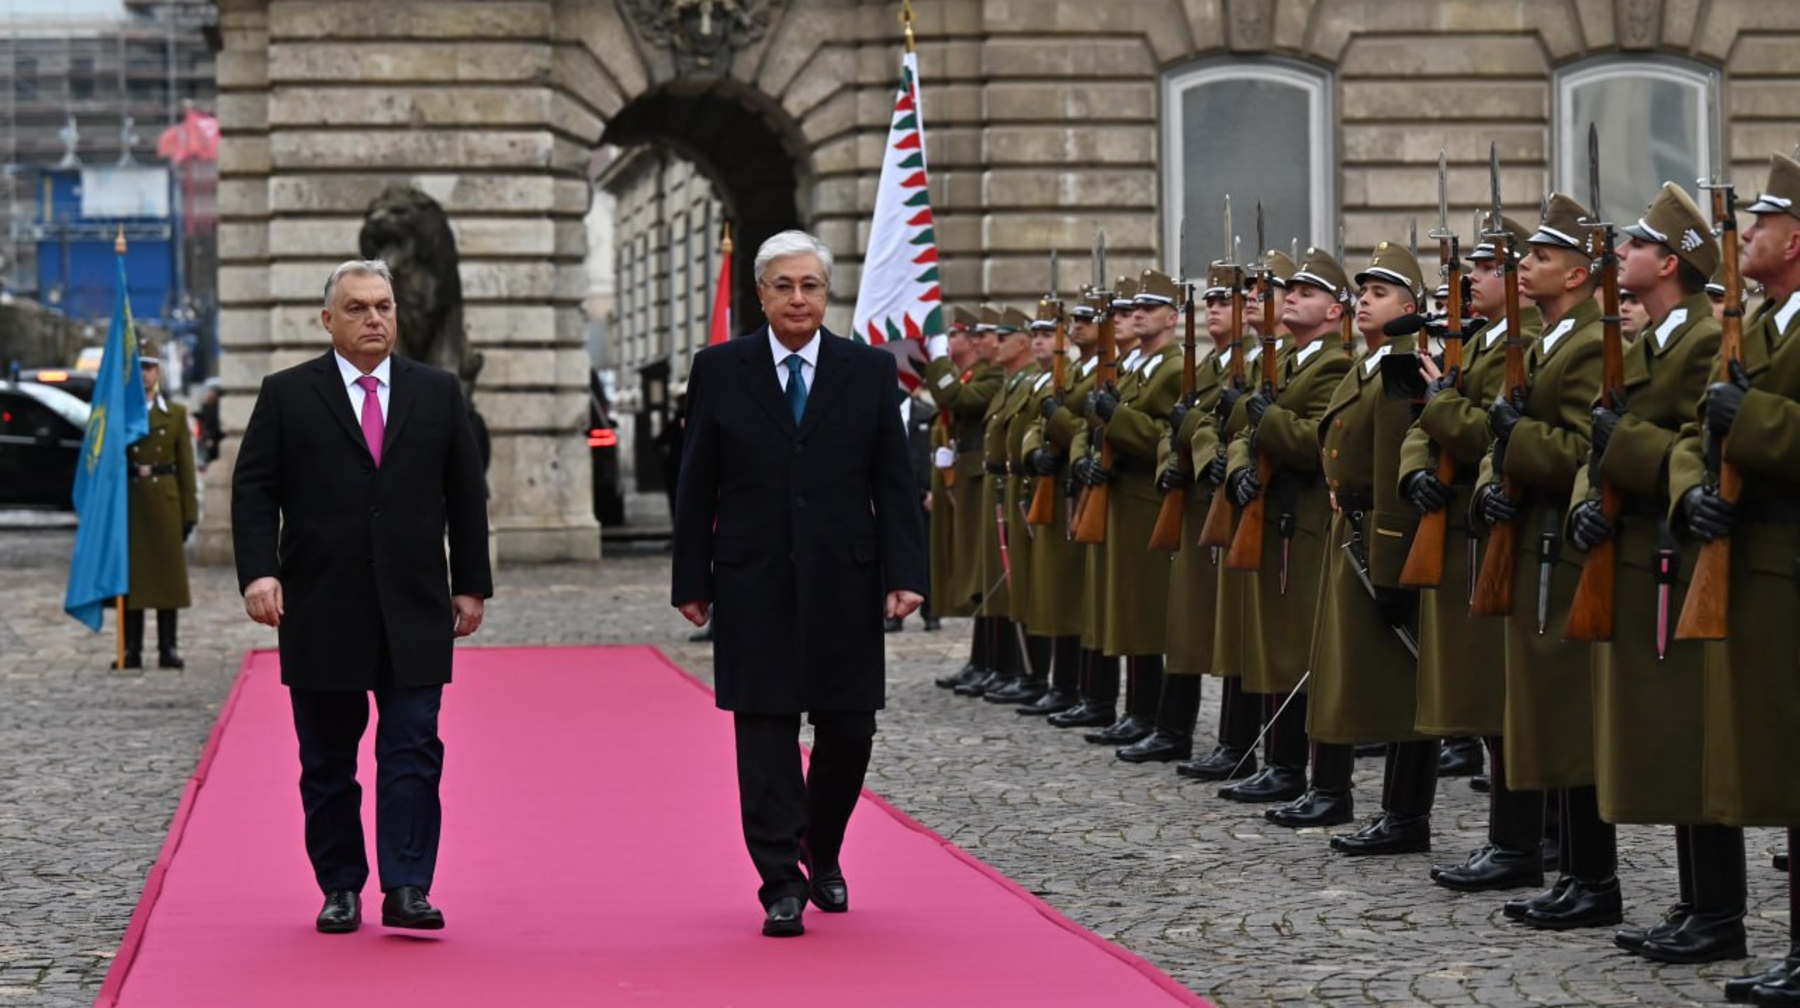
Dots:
pixel 1215 531
pixel 1704 613
pixel 1165 535
pixel 1246 545
pixel 1493 595
pixel 1425 562
pixel 1591 610
pixel 1043 492
pixel 1090 509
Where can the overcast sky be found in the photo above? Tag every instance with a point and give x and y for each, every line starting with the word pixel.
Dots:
pixel 61 7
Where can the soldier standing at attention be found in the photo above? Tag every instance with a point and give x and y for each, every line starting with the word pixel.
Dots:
pixel 1283 593
pixel 1462 659
pixel 162 509
pixel 1751 684
pixel 961 380
pixel 1540 440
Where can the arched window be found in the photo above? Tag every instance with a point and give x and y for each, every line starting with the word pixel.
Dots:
pixel 1258 129
pixel 1654 126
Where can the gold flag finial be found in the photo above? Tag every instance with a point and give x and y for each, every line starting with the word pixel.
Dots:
pixel 725 239
pixel 119 242
pixel 906 22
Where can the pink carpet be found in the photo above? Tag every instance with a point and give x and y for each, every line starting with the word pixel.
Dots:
pixel 591 856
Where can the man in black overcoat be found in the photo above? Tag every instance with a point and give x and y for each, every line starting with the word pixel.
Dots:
pixel 353 469
pixel 796 530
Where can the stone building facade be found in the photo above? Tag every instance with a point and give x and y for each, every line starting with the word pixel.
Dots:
pixel 1046 120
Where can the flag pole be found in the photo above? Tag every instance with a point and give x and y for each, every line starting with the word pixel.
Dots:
pixel 906 21
pixel 119 603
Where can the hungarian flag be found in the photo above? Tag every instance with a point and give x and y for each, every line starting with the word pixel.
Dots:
pixel 900 304
pixel 721 309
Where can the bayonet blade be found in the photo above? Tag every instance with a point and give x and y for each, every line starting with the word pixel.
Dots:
pixel 1443 192
pixel 1494 183
pixel 1594 171
pixel 1716 128
pixel 1181 249
pixel 1229 233
pixel 1413 236
pixel 1261 238
pixel 1053 296
pixel 1100 262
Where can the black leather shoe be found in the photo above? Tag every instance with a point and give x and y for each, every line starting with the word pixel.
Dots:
pixel 1270 784
pixel 1460 757
pixel 1124 731
pixel 1737 990
pixel 170 659
pixel 783 918
pixel 828 891
pixel 1699 938
pixel 133 659
pixel 968 673
pixel 933 624
pixel 1586 905
pixel 1632 939
pixel 1085 714
pixel 1387 834
pixel 992 681
pixel 1784 993
pixel 1371 750
pixel 891 625
pixel 1314 808
pixel 1490 868
pixel 1020 691
pixel 1158 747
pixel 1052 702
pixel 1480 784
pixel 1223 763
pixel 701 635
pixel 341 914
pixel 1519 907
pixel 1779 862
pixel 407 907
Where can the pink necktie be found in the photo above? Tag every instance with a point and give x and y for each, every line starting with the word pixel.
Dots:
pixel 372 424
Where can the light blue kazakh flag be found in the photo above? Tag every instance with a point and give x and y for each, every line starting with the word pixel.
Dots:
pixel 101 567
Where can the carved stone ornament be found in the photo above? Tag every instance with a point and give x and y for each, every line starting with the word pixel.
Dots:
pixel 1638 23
pixel 702 35
pixel 1252 25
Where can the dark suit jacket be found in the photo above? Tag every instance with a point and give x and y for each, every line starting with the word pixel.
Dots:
pixel 360 549
pixel 796 534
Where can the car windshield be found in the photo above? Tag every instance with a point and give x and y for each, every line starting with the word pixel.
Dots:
pixel 62 403
pixel 89 358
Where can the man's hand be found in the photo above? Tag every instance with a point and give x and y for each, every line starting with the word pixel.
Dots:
pixel 1243 486
pixel 1588 526
pixel 1171 478
pixel 902 603
pixel 1041 462
pixel 697 613
pixel 262 601
pixel 1215 470
pixel 1708 515
pixel 468 610
pixel 1228 399
pixel 1256 406
pixel 1437 382
pixel 1503 416
pixel 1426 491
pixel 1051 405
pixel 1494 505
pixel 1103 402
pixel 1723 399
pixel 1178 416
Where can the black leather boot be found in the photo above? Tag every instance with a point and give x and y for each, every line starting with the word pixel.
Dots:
pixel 1409 786
pixel 1778 980
pixel 1065 679
pixel 1283 778
pixel 1143 675
pixel 1714 930
pixel 134 639
pixel 1511 859
pixel 1593 900
pixel 1003 646
pixel 1239 721
pixel 1461 757
pixel 978 664
pixel 1632 938
pixel 1099 693
pixel 1517 909
pixel 168 652
pixel 1034 681
pixel 1329 801
pixel 1738 989
pixel 1177 710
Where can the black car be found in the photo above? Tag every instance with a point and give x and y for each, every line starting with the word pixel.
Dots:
pixel 77 383
pixel 41 429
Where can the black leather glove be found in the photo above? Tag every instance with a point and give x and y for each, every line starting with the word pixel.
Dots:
pixel 1442 383
pixel 187 529
pixel 1228 400
pixel 1041 462
pixel 1178 416
pixel 1588 526
pixel 1503 416
pixel 1495 505
pixel 1098 474
pixel 1215 471
pixel 1708 515
pixel 1078 470
pixel 1426 491
pixel 1051 405
pixel 1172 478
pixel 1605 422
pixel 1244 486
pixel 1102 403
pixel 1396 605
pixel 1257 406
pixel 1723 400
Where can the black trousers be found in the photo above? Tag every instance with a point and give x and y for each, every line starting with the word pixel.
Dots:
pixel 409 761
pixel 790 818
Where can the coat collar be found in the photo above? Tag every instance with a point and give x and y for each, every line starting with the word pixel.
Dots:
pixel 756 367
pixel 328 382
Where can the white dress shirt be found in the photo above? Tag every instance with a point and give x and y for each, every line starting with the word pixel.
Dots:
pixel 350 374
pixel 809 354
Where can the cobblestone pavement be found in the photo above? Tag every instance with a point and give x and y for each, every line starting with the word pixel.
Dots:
pixel 93 762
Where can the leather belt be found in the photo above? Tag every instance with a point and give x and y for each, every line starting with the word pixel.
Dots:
pixel 1354 501
pixel 151 471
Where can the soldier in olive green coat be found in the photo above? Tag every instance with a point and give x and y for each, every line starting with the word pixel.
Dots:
pixel 1752 677
pixel 1002 566
pixel 161 510
pixel 1538 446
pixel 1284 591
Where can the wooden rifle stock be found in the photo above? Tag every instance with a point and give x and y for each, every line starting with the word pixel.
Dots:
pixel 1493 586
pixel 1704 612
pixel 1215 531
pixel 1090 510
pixel 1246 545
pixel 1165 535
pixel 1043 490
pixel 1591 610
pixel 1424 566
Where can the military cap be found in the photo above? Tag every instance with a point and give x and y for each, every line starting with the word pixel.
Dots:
pixel 1395 264
pixel 148 355
pixel 1155 288
pixel 1320 270
pixel 962 319
pixel 1521 234
pixel 989 319
pixel 1564 224
pixel 1281 265
pixel 1087 306
pixel 1012 320
pixel 1125 293
pixel 1783 193
pixel 1047 315
pixel 1673 219
pixel 1219 278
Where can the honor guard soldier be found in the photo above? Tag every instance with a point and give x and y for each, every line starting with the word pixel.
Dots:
pixel 1462 659
pixel 961 379
pixel 1648 700
pixel 1282 439
pixel 162 509
pixel 1058 562
pixel 1540 440
pixel 1751 685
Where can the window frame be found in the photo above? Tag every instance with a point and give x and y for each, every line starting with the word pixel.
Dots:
pixel 1318 83
pixel 1568 139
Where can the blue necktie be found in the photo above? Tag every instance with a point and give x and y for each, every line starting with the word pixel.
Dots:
pixel 796 389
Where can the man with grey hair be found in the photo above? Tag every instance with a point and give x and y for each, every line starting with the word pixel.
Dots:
pixel 796 529
pixel 354 468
